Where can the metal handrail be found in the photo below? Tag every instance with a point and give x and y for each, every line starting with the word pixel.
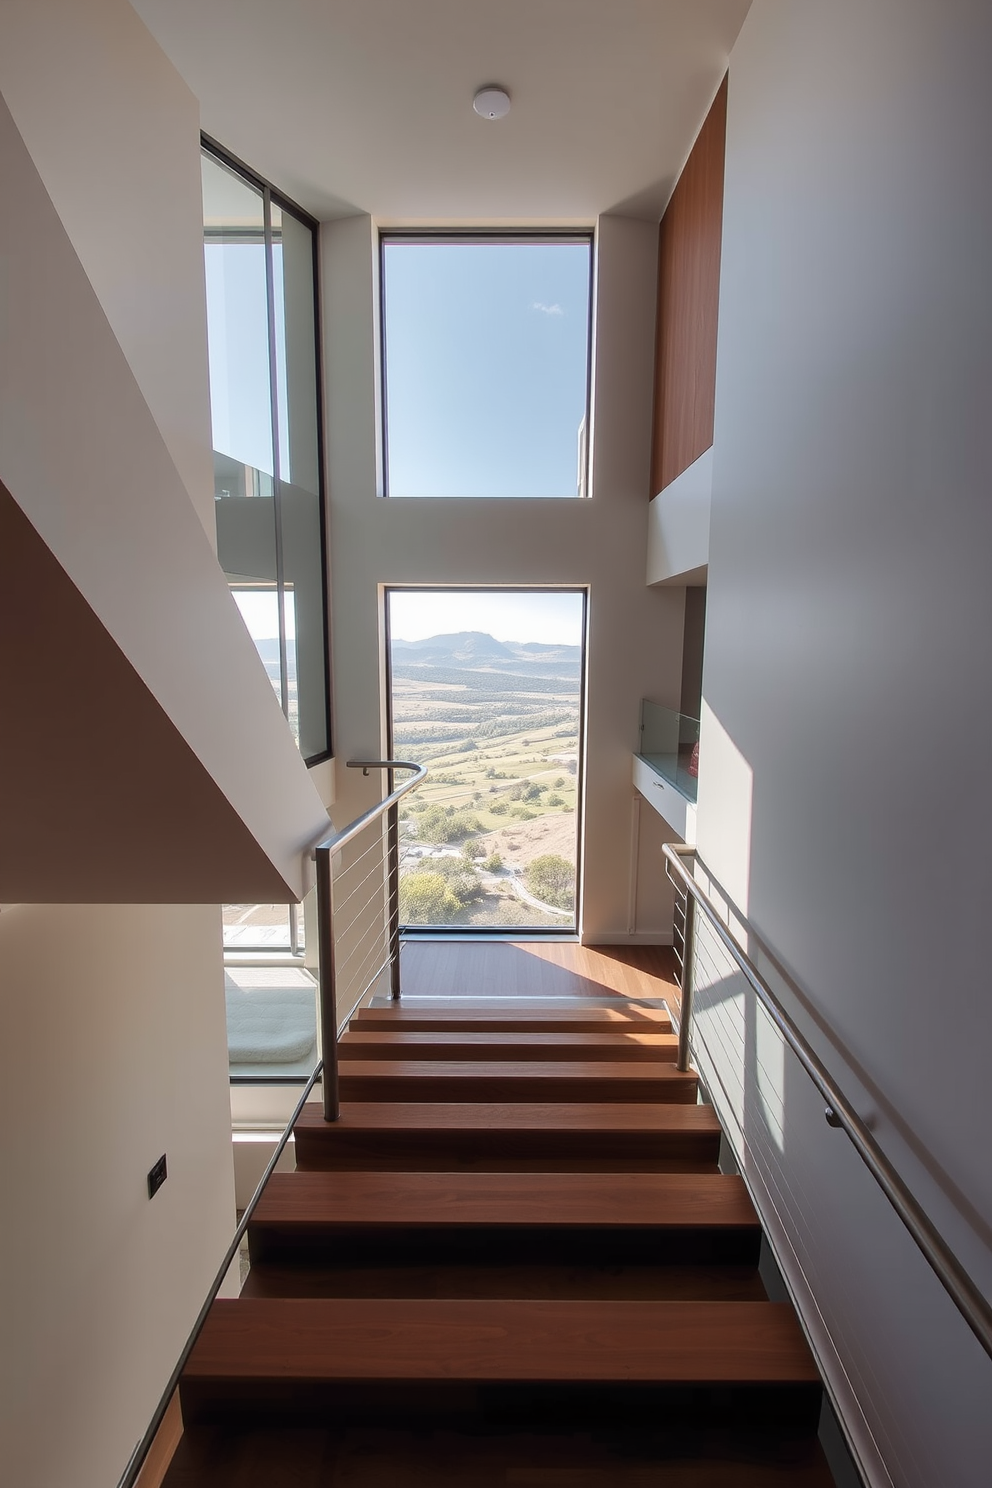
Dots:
pixel 137 1461
pixel 323 853
pixel 970 1302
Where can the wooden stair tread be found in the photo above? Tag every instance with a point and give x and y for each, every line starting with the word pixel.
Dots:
pixel 513 1080
pixel 612 1044
pixel 511 1016
pixel 492 1136
pixel 653 1200
pixel 498 1116
pixel 357 1339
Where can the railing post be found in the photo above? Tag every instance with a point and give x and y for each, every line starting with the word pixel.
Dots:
pixel 685 1009
pixel 393 872
pixel 328 1000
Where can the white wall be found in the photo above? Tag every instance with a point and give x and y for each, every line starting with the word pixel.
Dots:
pixel 85 461
pixel 635 634
pixel 114 1051
pixel 115 135
pixel 844 797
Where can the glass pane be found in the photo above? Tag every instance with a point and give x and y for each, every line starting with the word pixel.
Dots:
pixel 486 362
pixel 237 318
pixel 259 608
pixel 670 745
pixel 296 351
pixel 302 564
pixel 271 1021
pixel 485 690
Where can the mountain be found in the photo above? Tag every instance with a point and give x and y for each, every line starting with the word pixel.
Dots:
pixel 472 646
pixel 476 648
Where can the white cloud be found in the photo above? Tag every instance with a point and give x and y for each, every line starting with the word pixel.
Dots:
pixel 547 309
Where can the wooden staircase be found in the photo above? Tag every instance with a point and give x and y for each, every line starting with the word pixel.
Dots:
pixel 512 1261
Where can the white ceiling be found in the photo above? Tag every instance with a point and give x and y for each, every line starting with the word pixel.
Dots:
pixel 366 105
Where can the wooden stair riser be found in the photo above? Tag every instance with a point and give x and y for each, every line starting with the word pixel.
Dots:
pixel 509 1138
pixel 513 1046
pixel 487 1218
pixel 557 1081
pixel 439 1245
pixel 684 1281
pixel 463 1019
pixel 357 1350
pixel 748 1409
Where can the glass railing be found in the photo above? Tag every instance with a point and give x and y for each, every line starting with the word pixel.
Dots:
pixel 670 745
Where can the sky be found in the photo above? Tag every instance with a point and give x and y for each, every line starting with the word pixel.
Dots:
pixel 486 367
pixel 260 612
pixel 555 619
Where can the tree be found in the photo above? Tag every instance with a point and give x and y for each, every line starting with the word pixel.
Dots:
pixel 493 863
pixel 472 849
pixel 551 879
pixel 425 899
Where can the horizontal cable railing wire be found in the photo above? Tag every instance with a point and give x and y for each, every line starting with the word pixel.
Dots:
pixel 970 1302
pixel 344 981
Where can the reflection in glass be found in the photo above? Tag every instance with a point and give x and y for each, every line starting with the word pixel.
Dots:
pixel 486 353
pixel 237 317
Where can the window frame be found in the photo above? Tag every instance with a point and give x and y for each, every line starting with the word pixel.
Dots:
pixel 421 235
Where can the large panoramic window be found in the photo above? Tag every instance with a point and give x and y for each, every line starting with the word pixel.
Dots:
pixel 485 365
pixel 259 254
pixel 486 688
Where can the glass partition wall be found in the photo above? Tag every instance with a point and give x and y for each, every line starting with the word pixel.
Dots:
pixel 260 267
pixel 260 261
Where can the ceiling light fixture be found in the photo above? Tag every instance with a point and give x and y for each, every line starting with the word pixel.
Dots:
pixel 491 102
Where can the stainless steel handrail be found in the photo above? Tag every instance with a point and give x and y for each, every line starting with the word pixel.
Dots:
pixel 131 1472
pixel 323 853
pixel 970 1302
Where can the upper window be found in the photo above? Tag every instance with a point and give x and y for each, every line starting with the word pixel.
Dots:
pixel 260 260
pixel 486 364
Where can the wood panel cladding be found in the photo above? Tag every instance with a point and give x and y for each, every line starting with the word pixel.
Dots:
pixel 688 298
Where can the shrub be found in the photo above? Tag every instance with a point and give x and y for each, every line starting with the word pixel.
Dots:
pixel 555 800
pixel 472 849
pixel 523 813
pixel 559 782
pixel 499 808
pixel 444 824
pixel 493 863
pixel 533 791
pixel 426 899
pixel 460 876
pixel 551 879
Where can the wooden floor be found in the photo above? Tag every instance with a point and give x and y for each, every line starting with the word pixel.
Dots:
pixel 450 968
pixel 494 1270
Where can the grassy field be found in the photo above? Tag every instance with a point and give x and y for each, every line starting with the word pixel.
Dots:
pixel 498 728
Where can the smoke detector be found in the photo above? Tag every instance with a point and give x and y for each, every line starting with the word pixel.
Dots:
pixel 491 102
